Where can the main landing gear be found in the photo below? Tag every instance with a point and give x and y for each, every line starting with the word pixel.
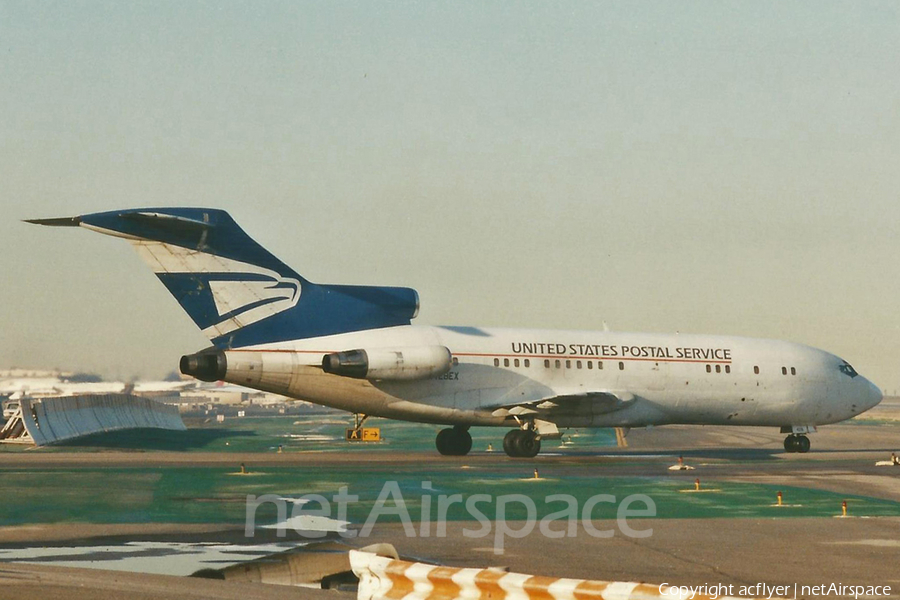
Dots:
pixel 454 441
pixel 522 443
pixel 796 443
pixel 518 443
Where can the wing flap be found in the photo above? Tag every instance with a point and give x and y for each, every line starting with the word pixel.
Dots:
pixel 594 403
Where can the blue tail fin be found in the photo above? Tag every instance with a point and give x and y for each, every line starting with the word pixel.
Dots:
pixel 235 290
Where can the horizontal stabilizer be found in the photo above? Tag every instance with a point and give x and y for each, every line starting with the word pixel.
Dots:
pixel 57 222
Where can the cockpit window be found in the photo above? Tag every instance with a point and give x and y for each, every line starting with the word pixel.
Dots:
pixel 847 370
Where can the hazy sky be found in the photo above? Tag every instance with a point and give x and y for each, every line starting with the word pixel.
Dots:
pixel 708 167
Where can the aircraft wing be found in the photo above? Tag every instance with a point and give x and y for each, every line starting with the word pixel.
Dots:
pixel 580 403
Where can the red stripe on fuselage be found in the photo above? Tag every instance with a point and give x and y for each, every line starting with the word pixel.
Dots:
pixel 550 356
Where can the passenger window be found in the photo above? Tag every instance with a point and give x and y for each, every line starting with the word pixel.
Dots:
pixel 578 364
pixel 708 369
pixel 756 370
pixel 505 362
pixel 793 371
pixel 516 362
pixel 784 370
pixel 568 364
pixel 621 366
pixel 547 364
pixel 558 364
pixel 496 362
pixel 590 365
pixel 727 369
pixel 600 365
pixel 527 363
pixel 718 368
pixel 455 361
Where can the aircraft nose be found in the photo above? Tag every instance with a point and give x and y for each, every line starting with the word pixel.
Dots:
pixel 872 394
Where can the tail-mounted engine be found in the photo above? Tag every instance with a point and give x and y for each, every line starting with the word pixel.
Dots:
pixel 209 365
pixel 414 362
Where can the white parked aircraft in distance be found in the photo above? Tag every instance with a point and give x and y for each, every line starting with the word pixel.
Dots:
pixel 354 348
pixel 16 389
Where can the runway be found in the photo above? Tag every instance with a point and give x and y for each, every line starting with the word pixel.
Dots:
pixel 734 532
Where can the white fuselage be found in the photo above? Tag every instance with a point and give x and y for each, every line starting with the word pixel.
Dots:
pixel 673 378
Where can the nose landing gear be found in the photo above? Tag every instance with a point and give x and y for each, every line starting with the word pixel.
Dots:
pixel 454 441
pixel 796 443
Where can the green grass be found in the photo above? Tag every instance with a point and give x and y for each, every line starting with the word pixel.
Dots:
pixel 218 495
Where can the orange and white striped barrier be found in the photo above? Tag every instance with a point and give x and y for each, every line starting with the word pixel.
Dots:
pixel 383 578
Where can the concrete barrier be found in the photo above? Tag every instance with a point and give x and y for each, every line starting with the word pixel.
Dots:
pixel 382 578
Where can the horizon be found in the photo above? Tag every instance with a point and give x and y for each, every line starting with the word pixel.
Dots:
pixel 700 168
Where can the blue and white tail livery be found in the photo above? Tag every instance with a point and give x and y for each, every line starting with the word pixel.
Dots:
pixel 237 292
pixel 354 348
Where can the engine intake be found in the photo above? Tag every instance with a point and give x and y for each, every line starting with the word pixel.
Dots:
pixel 410 363
pixel 353 363
pixel 205 366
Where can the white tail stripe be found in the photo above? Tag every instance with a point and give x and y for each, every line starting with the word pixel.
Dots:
pixel 168 258
pixel 230 296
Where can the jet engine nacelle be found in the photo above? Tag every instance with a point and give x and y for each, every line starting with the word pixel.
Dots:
pixel 209 365
pixel 414 362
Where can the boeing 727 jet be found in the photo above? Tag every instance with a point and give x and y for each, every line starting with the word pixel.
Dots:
pixel 354 348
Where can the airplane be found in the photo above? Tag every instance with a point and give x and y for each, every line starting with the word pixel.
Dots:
pixel 44 387
pixel 354 348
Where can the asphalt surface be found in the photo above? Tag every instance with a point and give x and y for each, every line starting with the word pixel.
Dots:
pixel 859 549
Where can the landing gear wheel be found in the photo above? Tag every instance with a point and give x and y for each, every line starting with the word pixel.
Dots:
pixel 464 440
pixel 528 444
pixel 790 444
pixel 453 441
pixel 796 443
pixel 520 443
pixel 509 441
